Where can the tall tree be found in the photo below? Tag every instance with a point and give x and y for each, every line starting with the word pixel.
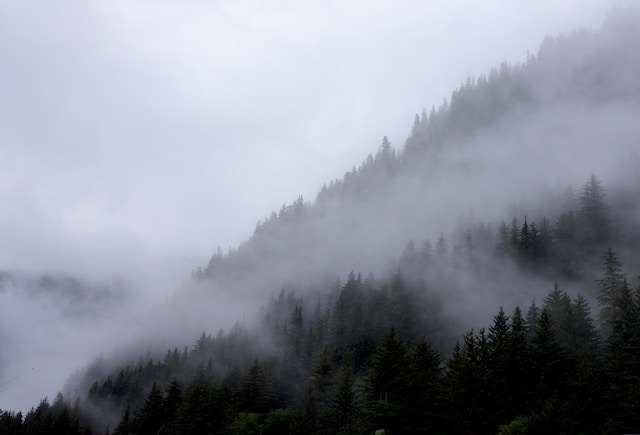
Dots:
pixel 386 383
pixel 622 396
pixel 345 407
pixel 592 216
pixel 151 416
pixel 423 379
pixel 610 297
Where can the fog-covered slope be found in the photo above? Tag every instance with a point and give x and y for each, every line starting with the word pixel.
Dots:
pixel 523 177
pixel 508 144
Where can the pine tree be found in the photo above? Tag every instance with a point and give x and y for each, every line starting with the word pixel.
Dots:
pixel 345 407
pixel 464 386
pixel 499 399
pixel 126 425
pixel 151 416
pixel 622 396
pixel 609 293
pixel 172 402
pixel 520 372
pixel 423 379
pixel 386 383
pixel 551 368
pixel 387 380
pixel 593 221
pixel 256 394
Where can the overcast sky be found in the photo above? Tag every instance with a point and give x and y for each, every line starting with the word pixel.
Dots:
pixel 132 130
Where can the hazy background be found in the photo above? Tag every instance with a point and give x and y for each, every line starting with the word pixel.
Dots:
pixel 161 129
pixel 135 137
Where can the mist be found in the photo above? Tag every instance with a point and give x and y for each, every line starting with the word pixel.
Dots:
pixel 138 138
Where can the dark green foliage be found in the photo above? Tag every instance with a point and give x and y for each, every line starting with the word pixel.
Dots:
pixel 622 395
pixel 550 364
pixel 344 411
pixel 151 416
pixel 204 409
pixel 611 295
pixel 58 418
pixel 387 384
pixel 10 422
pixel 546 373
pixel 465 385
pixel 422 389
pixel 255 393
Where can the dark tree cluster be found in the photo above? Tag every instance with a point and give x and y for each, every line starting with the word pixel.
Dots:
pixel 356 366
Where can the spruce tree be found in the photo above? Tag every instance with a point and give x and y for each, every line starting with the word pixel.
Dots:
pixel 610 297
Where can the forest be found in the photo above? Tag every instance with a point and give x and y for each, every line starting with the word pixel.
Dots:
pixel 378 318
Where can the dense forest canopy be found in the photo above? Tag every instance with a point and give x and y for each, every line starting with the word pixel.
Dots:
pixel 480 278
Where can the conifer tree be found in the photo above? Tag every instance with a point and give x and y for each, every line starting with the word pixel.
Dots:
pixel 344 410
pixel 423 380
pixel 622 395
pixel 499 371
pixel 610 297
pixel 151 416
pixel 592 213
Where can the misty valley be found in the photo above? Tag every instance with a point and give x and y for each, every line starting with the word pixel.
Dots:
pixel 483 277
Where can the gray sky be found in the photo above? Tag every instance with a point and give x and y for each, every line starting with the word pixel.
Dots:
pixel 133 132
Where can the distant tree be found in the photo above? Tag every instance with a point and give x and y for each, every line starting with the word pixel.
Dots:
pixel 386 157
pixel 622 395
pixel 386 381
pixel 464 399
pixel 422 389
pixel 10 422
pixel 204 409
pixel 520 371
pixel 531 319
pixel 551 367
pixel 592 216
pixel 151 416
pixel 126 424
pixel 584 335
pixel 610 296
pixel 501 403
pixel 525 245
pixel 172 401
pixel 344 410
pixel 256 394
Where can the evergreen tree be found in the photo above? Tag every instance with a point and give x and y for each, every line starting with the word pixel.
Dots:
pixel 464 386
pixel 256 394
pixel 551 368
pixel 622 396
pixel 519 372
pixel 500 401
pixel 610 297
pixel 204 409
pixel 151 416
pixel 386 383
pixel 592 213
pixel 423 378
pixel 344 411
pixel 126 425
pixel 171 403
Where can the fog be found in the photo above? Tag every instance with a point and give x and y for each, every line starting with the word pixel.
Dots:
pixel 137 137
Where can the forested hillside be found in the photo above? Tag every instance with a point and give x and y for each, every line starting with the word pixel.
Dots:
pixel 481 278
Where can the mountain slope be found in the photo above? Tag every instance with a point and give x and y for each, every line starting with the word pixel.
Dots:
pixel 506 145
pixel 474 212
